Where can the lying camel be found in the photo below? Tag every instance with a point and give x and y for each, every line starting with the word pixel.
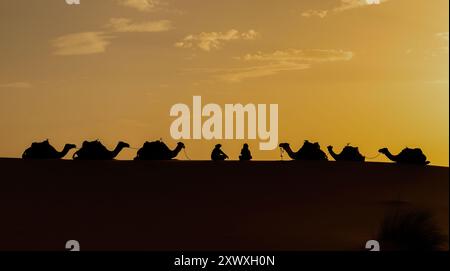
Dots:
pixel 349 153
pixel 43 150
pixel 96 151
pixel 158 150
pixel 406 156
pixel 309 151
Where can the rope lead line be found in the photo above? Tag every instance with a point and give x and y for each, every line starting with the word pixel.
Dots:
pixel 185 154
pixel 368 158
pixel 281 154
pixel 373 157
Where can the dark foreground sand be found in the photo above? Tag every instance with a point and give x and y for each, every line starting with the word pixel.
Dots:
pixel 178 205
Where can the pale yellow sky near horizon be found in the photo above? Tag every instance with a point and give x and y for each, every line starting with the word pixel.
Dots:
pixel 342 71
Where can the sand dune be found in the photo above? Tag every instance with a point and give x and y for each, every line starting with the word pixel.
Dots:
pixel 202 205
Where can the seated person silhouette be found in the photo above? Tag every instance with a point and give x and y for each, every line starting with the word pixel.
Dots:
pixel 246 155
pixel 217 154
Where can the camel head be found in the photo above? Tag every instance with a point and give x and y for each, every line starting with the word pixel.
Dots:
pixel 330 148
pixel 70 146
pixel 284 145
pixel 181 145
pixel 122 144
pixel 383 150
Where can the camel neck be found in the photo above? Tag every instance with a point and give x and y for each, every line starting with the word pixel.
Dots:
pixel 117 150
pixel 64 151
pixel 390 156
pixel 333 154
pixel 176 151
pixel 289 151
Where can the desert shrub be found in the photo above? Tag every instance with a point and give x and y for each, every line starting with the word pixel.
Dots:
pixel 413 230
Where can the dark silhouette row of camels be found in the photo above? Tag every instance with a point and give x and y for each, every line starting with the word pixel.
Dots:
pixel 158 150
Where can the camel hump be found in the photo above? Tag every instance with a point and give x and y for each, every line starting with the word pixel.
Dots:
pixel 90 149
pixel 93 145
pixel 39 150
pixel 156 146
pixel 413 155
pixel 352 151
pixel 42 144
pixel 311 151
pixel 155 150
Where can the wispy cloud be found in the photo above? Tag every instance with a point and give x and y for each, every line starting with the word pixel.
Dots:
pixel 208 41
pixel 126 25
pixel 351 4
pixel 239 74
pixel 84 43
pixel 343 5
pixel 294 55
pixel 141 5
pixel 95 42
pixel 315 13
pixel 16 85
pixel 267 64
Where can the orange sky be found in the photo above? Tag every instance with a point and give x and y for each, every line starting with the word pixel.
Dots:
pixel 341 71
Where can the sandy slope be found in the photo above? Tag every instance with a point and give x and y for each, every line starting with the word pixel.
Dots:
pixel 178 205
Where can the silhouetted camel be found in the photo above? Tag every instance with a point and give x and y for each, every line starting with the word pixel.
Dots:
pixel 407 156
pixel 95 150
pixel 309 151
pixel 246 155
pixel 157 150
pixel 349 153
pixel 217 154
pixel 43 150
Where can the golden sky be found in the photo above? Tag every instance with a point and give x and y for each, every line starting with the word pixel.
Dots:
pixel 342 71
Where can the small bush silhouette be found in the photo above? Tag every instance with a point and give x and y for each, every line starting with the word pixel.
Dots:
pixel 410 231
